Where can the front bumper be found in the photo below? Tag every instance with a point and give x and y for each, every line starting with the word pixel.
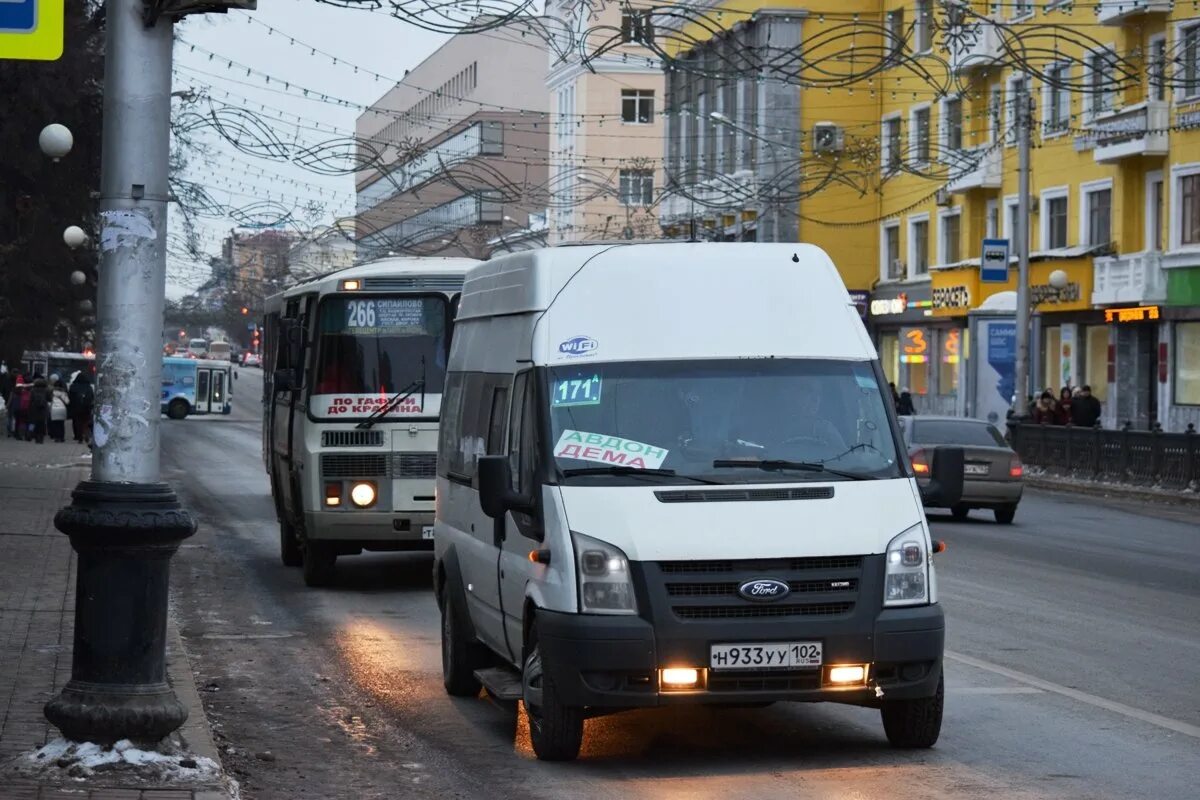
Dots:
pixel 612 662
pixel 372 530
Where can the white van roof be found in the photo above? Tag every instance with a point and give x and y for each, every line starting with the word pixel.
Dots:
pixel 673 300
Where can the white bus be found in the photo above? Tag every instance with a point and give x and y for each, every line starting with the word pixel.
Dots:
pixel 220 351
pixel 197 348
pixel 353 366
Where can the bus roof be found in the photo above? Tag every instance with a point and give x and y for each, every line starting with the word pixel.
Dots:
pixel 393 273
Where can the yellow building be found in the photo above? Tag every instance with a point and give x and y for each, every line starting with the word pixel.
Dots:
pixel 903 144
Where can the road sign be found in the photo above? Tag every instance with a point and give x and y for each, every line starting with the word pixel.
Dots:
pixel 993 266
pixel 31 30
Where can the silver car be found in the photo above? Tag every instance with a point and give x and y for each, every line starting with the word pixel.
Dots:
pixel 992 472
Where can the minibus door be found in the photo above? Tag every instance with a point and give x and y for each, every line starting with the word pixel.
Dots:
pixel 219 392
pixel 203 403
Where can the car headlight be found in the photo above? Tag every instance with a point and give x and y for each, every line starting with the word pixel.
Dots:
pixel 906 577
pixel 605 584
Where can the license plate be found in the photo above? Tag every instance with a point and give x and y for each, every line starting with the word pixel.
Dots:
pixel 427 532
pixel 769 655
pixel 975 469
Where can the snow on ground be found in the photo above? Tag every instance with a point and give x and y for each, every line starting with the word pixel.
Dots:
pixel 63 759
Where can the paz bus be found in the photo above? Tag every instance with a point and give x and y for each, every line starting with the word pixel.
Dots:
pixel 353 367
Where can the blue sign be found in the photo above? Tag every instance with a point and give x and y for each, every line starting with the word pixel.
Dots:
pixel 578 346
pixel 1002 356
pixel 18 16
pixel 993 265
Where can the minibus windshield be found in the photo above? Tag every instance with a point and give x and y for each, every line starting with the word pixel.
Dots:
pixel 380 345
pixel 729 421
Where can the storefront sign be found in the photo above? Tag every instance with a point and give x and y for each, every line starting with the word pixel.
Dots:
pixel 993 266
pixel 860 298
pixel 952 297
pixel 914 345
pixel 1135 314
pixel 1045 293
pixel 889 306
pixel 960 289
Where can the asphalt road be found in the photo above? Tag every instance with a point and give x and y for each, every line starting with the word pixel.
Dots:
pixel 1073 668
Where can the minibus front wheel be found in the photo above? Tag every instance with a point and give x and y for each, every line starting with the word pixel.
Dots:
pixel 914 723
pixel 555 729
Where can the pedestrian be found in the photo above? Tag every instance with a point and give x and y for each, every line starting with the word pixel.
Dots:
pixel 6 383
pixel 82 396
pixel 1064 406
pixel 59 401
pixel 904 406
pixel 18 409
pixel 1085 408
pixel 895 396
pixel 1046 411
pixel 39 409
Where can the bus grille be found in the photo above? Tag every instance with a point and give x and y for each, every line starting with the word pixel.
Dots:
pixel 414 465
pixel 354 465
pixel 450 283
pixel 351 438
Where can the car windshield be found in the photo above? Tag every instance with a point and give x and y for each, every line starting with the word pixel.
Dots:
pixel 380 345
pixel 953 431
pixel 731 421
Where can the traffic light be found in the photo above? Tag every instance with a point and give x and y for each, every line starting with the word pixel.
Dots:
pixel 245 311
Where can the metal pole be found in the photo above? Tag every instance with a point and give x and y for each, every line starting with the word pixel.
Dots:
pixel 123 523
pixel 1021 232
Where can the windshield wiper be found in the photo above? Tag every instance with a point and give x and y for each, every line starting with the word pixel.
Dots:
pixel 396 399
pixel 617 469
pixel 778 464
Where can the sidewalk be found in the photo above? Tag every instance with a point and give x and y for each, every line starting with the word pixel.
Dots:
pixel 37 601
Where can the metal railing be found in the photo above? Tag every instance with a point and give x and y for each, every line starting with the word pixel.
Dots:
pixel 1137 458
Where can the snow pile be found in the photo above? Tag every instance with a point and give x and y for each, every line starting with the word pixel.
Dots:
pixel 82 760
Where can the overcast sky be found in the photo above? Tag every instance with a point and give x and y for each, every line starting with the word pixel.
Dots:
pixel 371 41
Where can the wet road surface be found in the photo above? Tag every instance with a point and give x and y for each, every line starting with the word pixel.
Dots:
pixel 1073 668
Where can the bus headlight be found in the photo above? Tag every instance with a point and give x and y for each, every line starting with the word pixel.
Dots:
pixel 362 494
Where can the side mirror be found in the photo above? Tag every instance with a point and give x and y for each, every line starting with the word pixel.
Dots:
pixel 496 496
pixel 946 477
pixel 284 380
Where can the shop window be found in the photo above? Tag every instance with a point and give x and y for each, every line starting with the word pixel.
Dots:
pixel 1187 363
pixel 949 357
pixel 918 378
pixel 889 356
pixel 1051 353
pixel 1095 361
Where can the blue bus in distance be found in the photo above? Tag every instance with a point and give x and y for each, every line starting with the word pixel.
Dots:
pixel 195 386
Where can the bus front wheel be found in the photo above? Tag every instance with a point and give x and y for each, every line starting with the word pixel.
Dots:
pixel 177 409
pixel 319 563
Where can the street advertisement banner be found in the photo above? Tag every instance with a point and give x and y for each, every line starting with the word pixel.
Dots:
pixel 1067 356
pixel 996 371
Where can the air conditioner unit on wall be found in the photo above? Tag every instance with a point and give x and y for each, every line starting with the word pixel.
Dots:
pixel 828 137
pixel 943 196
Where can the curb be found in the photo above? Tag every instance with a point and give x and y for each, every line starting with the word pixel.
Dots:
pixel 1112 490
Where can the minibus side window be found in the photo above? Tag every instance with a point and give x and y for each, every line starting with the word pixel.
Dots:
pixel 515 428
pixel 497 422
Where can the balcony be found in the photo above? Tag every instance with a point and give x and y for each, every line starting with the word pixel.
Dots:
pixel 1139 130
pixel 1115 12
pixel 974 168
pixel 1138 278
pixel 980 44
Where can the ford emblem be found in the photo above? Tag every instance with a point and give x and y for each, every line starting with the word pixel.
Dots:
pixel 764 590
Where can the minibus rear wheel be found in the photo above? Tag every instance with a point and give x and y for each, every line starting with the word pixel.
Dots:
pixel 914 723
pixel 555 730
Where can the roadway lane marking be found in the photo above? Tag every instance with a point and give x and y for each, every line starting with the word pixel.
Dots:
pixel 1083 697
pixel 994 690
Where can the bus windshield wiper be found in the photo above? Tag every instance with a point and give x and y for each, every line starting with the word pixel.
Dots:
pixel 396 399
pixel 618 469
pixel 778 464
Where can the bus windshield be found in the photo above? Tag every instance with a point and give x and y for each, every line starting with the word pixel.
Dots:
pixel 380 345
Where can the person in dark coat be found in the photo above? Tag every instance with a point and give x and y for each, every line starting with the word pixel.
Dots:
pixel 39 409
pixel 904 406
pixel 1065 398
pixel 81 396
pixel 1085 408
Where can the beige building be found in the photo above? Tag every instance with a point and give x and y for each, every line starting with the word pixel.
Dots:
pixel 607 141
pixel 321 251
pixel 458 148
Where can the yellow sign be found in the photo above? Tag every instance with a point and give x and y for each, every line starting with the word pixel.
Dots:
pixel 915 346
pixel 31 30
pixel 1136 314
pixel 957 291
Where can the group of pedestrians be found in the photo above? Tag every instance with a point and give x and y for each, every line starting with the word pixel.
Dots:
pixel 1077 407
pixel 39 407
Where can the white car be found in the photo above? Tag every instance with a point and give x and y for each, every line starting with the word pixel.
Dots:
pixel 251 360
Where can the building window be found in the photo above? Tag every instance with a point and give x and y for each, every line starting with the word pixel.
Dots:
pixel 1157 69
pixel 1101 82
pixel 952 124
pixel 920 135
pixel 1022 8
pixel 1058 99
pixel 923 27
pixel 1099 217
pixel 637 26
pixel 896 33
pixel 992 220
pixel 1189 205
pixel 892 266
pixel 637 187
pixel 637 105
pixel 1095 360
pixel 1056 223
pixel 1188 64
pixel 995 112
pixel 1187 363
pixel 951 238
pixel 918 233
pixel 891 144
pixel 1156 214
pixel 949 357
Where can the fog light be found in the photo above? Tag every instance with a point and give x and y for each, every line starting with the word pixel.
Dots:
pixel 333 494
pixel 851 674
pixel 362 494
pixel 680 678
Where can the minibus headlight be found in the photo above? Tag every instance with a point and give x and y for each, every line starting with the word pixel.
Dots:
pixel 906 576
pixel 605 586
pixel 362 494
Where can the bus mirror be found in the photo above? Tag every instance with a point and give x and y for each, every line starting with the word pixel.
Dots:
pixel 496 496
pixel 284 380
